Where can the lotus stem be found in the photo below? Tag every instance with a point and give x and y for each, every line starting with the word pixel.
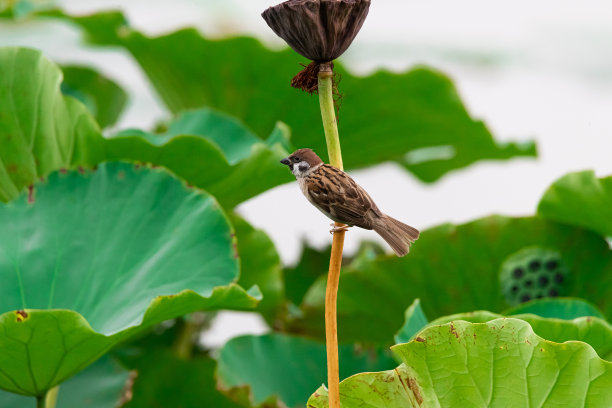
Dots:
pixel 51 398
pixel 183 346
pixel 328 114
pixel 330 126
pixel 48 399
pixel 193 324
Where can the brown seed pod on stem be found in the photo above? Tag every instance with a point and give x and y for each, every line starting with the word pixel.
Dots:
pixel 320 30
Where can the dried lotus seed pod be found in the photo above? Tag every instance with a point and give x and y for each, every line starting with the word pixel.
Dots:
pixel 320 30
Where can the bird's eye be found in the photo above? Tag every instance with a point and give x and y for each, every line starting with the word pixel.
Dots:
pixel 295 159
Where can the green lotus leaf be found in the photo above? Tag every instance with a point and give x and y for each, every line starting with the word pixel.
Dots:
pixel 212 151
pixel 158 385
pixel 260 265
pixel 580 199
pixel 100 385
pixel 415 321
pixel 41 130
pixel 560 308
pixel 298 365
pixel 104 98
pixel 208 149
pixel 500 363
pixel 158 356
pixel 458 267
pixel 89 259
pixel 416 117
pixel 314 263
pixel 553 319
pixel 591 330
pixel 233 138
pixel 19 9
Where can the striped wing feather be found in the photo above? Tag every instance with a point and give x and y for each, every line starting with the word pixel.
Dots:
pixel 337 195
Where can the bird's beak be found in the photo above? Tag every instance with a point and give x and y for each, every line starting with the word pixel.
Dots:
pixel 285 161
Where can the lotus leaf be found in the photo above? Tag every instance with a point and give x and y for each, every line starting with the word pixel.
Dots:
pixel 499 363
pixel 104 255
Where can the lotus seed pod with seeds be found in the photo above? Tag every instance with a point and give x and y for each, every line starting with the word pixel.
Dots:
pixel 533 273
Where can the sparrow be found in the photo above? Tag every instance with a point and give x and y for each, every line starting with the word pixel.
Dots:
pixel 340 198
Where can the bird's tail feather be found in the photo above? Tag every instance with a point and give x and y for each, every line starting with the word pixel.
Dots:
pixel 397 234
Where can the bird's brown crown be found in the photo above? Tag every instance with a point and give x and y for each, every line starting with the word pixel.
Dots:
pixel 306 155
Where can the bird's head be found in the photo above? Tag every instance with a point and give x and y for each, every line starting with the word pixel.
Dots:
pixel 302 161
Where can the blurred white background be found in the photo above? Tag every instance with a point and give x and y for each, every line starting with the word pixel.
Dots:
pixel 531 70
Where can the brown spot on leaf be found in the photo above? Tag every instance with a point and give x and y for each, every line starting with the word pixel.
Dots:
pixel 411 383
pixel 420 339
pixel 12 168
pixel 31 194
pixel 63 171
pixel 415 389
pixel 81 170
pixel 453 330
pixel 21 315
pixel 164 297
pixel 121 175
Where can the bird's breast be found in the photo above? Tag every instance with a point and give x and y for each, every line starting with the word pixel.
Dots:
pixel 303 186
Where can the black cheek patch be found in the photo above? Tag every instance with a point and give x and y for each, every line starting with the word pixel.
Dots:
pixel 303 168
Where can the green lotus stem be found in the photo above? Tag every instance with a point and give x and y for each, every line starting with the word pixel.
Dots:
pixel 48 399
pixel 192 325
pixel 183 346
pixel 51 398
pixel 330 126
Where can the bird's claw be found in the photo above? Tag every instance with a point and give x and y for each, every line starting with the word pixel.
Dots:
pixel 335 228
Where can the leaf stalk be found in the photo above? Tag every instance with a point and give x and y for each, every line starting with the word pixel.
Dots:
pixel 328 114
pixel 48 399
pixel 330 126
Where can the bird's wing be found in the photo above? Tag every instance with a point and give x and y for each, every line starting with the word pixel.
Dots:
pixel 335 193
